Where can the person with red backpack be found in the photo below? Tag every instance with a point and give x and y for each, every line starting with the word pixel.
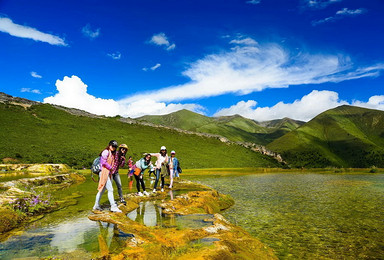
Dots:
pixel 106 162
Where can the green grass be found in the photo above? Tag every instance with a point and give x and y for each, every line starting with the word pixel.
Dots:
pixel 342 137
pixel 235 128
pixel 44 134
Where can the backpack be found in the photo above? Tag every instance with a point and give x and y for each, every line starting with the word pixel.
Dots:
pixel 179 170
pixel 96 167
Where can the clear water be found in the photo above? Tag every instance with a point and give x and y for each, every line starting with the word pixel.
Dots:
pixel 308 216
pixel 150 214
pixel 69 234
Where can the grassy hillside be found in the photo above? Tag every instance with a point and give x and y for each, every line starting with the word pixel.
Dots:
pixel 44 134
pixel 344 137
pixel 235 128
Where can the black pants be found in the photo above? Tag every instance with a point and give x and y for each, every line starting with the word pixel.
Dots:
pixel 139 181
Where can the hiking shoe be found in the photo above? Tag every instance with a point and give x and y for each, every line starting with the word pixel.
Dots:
pixel 154 190
pixel 140 194
pixel 114 208
pixel 123 201
pixel 97 208
pixel 162 189
pixel 145 193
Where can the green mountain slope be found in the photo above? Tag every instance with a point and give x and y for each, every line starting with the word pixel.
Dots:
pixel 41 133
pixel 235 128
pixel 344 137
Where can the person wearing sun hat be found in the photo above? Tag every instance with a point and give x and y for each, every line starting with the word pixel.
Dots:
pixel 119 161
pixel 173 164
pixel 161 170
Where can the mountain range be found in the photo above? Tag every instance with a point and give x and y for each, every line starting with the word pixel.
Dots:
pixel 345 136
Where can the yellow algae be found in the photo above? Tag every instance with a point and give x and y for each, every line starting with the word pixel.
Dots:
pixel 219 239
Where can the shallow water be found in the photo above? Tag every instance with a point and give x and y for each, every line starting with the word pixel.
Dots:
pixel 69 233
pixel 308 216
pixel 149 213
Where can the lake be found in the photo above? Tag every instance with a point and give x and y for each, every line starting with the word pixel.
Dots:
pixel 299 215
pixel 308 215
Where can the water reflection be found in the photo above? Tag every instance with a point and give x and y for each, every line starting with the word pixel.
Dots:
pixel 150 214
pixel 81 236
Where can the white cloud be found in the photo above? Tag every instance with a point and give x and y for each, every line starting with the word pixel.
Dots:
pixel 374 102
pixel 35 75
pixel 115 55
pixel 151 107
pixel 161 39
pixel 346 11
pixel 88 32
pixel 29 90
pixel 22 31
pixel 72 92
pixel 339 15
pixel 244 41
pixel 320 4
pixel 158 65
pixel 302 109
pixel 254 2
pixel 246 69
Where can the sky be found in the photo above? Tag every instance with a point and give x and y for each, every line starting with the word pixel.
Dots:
pixel 262 59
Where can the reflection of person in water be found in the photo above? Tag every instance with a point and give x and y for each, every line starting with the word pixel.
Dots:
pixel 105 237
pixel 109 238
pixel 148 214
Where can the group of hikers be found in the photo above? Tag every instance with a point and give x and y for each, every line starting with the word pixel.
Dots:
pixel 113 157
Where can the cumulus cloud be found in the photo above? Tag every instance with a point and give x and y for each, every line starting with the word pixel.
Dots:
pixel 161 39
pixel 339 15
pixel 29 90
pixel 151 107
pixel 72 92
pixel 89 33
pixel 115 55
pixel 374 102
pixel 22 31
pixel 35 75
pixel 245 69
pixel 303 109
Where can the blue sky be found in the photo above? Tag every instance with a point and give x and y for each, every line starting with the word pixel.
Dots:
pixel 263 59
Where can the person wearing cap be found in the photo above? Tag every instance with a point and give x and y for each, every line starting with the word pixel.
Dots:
pixel 106 163
pixel 119 161
pixel 173 163
pixel 161 167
